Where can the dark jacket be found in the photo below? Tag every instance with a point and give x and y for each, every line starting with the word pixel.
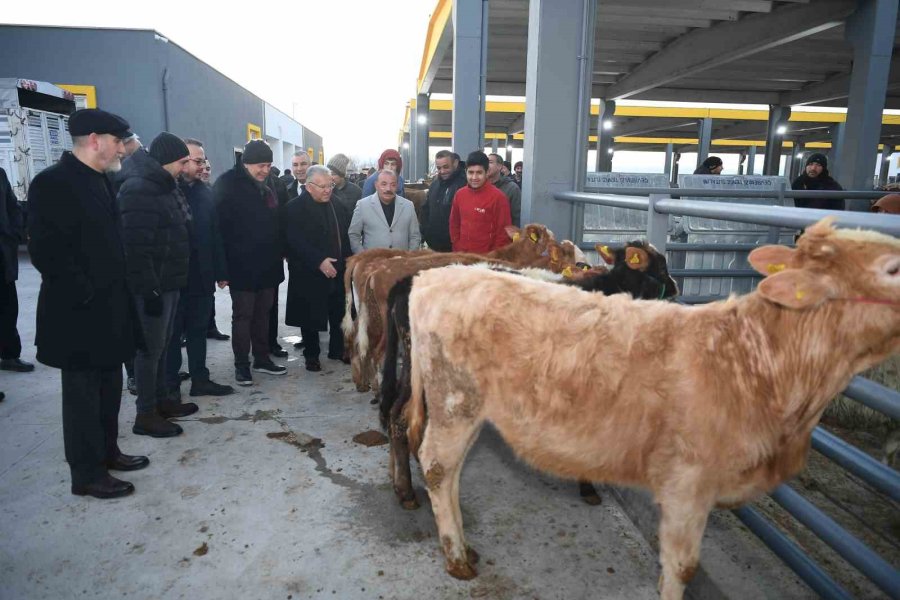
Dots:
pixel 11 229
pixel 207 264
pixel 436 210
pixel 85 315
pixel 281 189
pixel 292 189
pixel 248 223
pixel 307 243
pixel 154 227
pixel 823 182
pixel 347 196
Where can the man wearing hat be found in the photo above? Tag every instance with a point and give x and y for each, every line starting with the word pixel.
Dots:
pixel 157 250
pixel 248 222
pixel 85 317
pixel 390 159
pixel 815 177
pixel 345 193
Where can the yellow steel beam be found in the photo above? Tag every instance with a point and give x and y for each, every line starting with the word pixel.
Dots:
pixel 436 26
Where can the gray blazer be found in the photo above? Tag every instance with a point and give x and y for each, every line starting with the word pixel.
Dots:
pixel 369 228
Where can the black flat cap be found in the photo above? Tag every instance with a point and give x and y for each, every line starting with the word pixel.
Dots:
pixel 93 120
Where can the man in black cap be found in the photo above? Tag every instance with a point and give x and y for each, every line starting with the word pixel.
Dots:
pixel 76 245
pixel 816 177
pixel 711 166
pixel 157 250
pixel 248 222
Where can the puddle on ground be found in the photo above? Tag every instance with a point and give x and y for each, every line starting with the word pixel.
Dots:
pixel 260 415
pixel 298 440
pixel 202 550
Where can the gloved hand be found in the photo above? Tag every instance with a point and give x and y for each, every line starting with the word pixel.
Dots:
pixel 153 305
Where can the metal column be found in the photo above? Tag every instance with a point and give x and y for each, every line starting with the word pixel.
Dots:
pixel 470 20
pixel 885 165
pixel 741 158
pixel 423 124
pixel 667 169
pixel 404 155
pixel 507 149
pixel 557 113
pixel 834 155
pixel 751 159
pixel 410 171
pixel 704 135
pixel 674 178
pixel 871 31
pixel 778 116
pixel 603 162
pixel 799 160
pixel 495 146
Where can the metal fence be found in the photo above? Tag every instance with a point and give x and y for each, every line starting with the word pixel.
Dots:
pixel 662 203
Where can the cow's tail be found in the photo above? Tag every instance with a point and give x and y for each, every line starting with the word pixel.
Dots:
pixel 396 342
pixel 414 411
pixel 349 301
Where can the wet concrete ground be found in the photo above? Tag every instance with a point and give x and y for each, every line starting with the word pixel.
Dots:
pixel 266 495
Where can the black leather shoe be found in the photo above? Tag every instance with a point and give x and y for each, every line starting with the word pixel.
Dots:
pixel 124 462
pixel 341 358
pixel 107 487
pixel 278 352
pixel 312 364
pixel 215 334
pixel 15 364
pixel 299 344
pixel 155 426
pixel 183 375
pixel 210 388
pixel 174 411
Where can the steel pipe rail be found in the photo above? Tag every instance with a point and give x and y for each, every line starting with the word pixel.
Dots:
pixel 883 478
pixel 875 396
pixel 740 273
pixel 682 246
pixel 705 193
pixel 792 555
pixel 616 201
pixel 851 549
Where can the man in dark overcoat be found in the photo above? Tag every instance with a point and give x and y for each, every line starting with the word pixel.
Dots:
pixel 86 324
pixel 11 234
pixel 315 232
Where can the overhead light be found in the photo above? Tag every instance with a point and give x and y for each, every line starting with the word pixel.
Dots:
pixel 422 119
pixel 781 130
pixel 406 144
pixel 799 155
pixel 607 124
pixel 610 150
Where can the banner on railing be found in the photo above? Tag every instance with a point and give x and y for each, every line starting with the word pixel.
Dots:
pixel 608 224
pixel 626 180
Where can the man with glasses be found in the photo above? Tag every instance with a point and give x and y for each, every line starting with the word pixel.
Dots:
pixel 315 233
pixel 248 221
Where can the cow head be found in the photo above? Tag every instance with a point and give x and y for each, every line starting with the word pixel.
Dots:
pixel 639 270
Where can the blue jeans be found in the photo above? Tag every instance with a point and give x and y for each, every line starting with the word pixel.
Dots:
pixel 150 364
pixel 192 322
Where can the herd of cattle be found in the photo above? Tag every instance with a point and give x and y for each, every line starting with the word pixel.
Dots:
pixel 587 375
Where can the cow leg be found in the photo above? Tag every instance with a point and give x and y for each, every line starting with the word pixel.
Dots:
pixel 442 454
pixel 681 526
pixel 400 471
pixel 589 493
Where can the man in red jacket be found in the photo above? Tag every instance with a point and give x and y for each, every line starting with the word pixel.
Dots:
pixel 480 211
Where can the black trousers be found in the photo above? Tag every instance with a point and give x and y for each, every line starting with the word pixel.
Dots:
pixel 336 307
pixel 91 401
pixel 10 344
pixel 273 322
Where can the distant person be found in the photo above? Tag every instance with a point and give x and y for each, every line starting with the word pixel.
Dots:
pixel 206 173
pixel 384 219
pixel 480 212
pixel 314 229
pixel 889 204
pixel 389 159
pixel 12 230
pixel 509 188
pixel 345 193
pixel 815 177
pixel 75 242
pixel 436 209
pixel 155 221
pixel 212 332
pixel 299 164
pixel 711 166
pixel 248 220
pixel 517 173
pixel 287 178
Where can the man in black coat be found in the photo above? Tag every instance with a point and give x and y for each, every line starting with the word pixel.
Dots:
pixel 436 210
pixel 206 267
pixel 11 227
pixel 815 177
pixel 157 250
pixel 281 193
pixel 315 233
pixel 248 221
pixel 85 318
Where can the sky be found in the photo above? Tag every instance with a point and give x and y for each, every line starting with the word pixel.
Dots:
pixel 343 68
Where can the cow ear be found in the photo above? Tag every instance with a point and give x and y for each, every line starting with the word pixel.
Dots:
pixel 608 256
pixel 770 260
pixel 637 259
pixel 533 233
pixel 796 288
pixel 555 252
pixel 514 233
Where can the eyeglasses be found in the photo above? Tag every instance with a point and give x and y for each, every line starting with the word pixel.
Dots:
pixel 329 186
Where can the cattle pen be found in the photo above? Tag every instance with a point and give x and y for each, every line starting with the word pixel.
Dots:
pixel 667 211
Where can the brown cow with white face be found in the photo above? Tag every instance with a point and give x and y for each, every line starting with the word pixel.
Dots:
pixel 704 406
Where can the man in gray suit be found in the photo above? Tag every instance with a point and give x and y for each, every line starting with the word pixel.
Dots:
pixel 384 219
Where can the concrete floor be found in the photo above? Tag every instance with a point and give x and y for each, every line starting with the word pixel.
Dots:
pixel 277 520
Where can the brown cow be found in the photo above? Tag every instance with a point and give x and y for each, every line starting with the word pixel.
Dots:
pixel 704 406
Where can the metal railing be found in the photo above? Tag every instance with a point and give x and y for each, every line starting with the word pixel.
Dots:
pixel 662 202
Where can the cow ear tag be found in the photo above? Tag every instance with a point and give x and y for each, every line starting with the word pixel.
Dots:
pixel 534 237
pixel 606 254
pixel 567 272
pixel 636 259
pixel 516 236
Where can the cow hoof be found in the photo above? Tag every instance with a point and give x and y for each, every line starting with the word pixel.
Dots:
pixel 472 556
pixel 461 570
pixel 361 388
pixel 409 504
pixel 592 499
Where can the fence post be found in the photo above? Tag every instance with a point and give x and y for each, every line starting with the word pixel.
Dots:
pixel 657 224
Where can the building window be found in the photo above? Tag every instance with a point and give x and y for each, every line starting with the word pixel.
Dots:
pixel 254 132
pixel 85 95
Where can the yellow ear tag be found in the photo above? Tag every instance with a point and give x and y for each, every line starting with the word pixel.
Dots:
pixel 773 268
pixel 516 236
pixel 799 294
pixel 604 250
pixel 585 268
pixel 635 259
pixel 567 272
pixel 534 237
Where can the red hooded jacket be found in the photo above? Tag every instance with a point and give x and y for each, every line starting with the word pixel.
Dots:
pixel 478 219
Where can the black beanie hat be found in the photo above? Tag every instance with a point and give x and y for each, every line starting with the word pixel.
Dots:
pixel 477 158
pixel 256 152
pixel 819 158
pixel 167 148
